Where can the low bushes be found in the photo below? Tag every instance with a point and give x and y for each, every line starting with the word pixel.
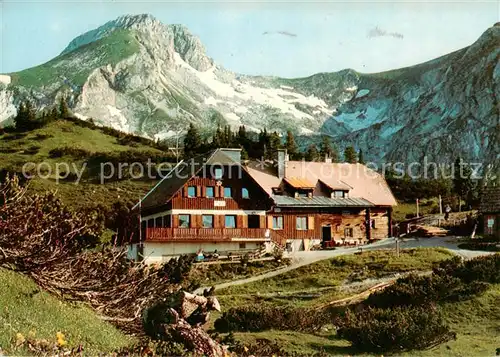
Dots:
pixel 484 269
pixel 397 329
pixel 76 153
pixel 423 290
pixel 265 317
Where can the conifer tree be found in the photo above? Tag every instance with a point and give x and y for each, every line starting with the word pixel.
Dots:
pixel 350 155
pixel 312 153
pixel 63 108
pixel 192 142
pixel 361 158
pixel 326 149
pixel 291 147
pixel 462 181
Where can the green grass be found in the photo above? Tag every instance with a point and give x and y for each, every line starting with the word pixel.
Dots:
pixel 27 310
pixel 15 152
pixel 211 274
pixel 333 272
pixel 476 322
pixel 404 208
pixel 77 65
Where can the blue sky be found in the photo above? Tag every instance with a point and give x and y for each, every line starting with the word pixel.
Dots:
pixel 319 36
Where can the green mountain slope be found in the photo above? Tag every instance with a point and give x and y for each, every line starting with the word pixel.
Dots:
pixel 34 314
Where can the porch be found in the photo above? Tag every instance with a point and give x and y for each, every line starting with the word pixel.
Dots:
pixel 207 234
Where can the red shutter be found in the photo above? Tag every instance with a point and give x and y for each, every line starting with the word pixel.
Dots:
pixel 198 191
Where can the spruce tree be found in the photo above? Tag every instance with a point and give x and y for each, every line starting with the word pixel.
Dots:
pixel 312 153
pixel 274 145
pixel 326 149
pixel 25 119
pixel 192 142
pixel 361 158
pixel 462 181
pixel 350 155
pixel 63 108
pixel 291 147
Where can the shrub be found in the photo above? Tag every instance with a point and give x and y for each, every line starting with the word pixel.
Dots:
pixel 423 290
pixel 76 153
pixel 483 269
pixel 266 317
pixel 398 329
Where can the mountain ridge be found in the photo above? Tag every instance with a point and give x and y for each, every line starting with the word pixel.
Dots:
pixel 138 75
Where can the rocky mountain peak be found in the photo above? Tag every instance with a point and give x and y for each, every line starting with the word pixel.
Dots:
pixel 190 48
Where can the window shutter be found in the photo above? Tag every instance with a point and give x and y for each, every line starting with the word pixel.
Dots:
pixel 221 190
pixel 239 221
pixel 270 222
pixel 216 191
pixel 198 191
pixel 244 221
pixel 203 191
pixel 310 223
pixel 175 221
pixel 185 190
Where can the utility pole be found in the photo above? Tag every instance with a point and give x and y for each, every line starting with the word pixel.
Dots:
pixel 397 247
pixel 418 213
pixel 440 205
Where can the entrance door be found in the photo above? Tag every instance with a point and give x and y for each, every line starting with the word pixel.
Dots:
pixel 326 233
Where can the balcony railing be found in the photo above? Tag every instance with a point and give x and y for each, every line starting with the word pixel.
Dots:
pixel 208 234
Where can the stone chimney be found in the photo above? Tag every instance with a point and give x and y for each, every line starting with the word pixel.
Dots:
pixel 282 159
pixel 328 159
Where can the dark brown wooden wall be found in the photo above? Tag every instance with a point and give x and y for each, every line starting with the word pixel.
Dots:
pixel 258 199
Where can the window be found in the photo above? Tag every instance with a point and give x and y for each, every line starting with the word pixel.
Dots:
pixel 244 193
pixel 218 173
pixel 184 220
pixel 192 191
pixel 278 222
pixel 243 245
pixel 159 222
pixel 490 223
pixel 348 232
pixel 301 223
pixel 230 221
pixel 338 194
pixel 209 192
pixel 208 221
pixel 253 221
pixel 227 192
pixel 301 194
pixel 166 221
pixel 151 223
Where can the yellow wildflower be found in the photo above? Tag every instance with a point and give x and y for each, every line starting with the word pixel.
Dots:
pixel 60 339
pixel 19 339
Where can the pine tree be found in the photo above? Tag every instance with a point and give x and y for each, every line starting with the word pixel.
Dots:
pixel 361 158
pixel 325 148
pixel 312 153
pixel 218 138
pixel 291 147
pixel 25 119
pixel 192 142
pixel 274 145
pixel 63 108
pixel 350 155
pixel 462 181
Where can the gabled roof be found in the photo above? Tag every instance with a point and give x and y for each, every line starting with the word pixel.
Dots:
pixel 361 181
pixel 490 200
pixel 182 173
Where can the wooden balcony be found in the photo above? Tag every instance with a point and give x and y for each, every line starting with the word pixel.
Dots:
pixel 206 234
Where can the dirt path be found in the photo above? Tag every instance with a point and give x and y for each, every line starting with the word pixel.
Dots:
pixel 300 259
